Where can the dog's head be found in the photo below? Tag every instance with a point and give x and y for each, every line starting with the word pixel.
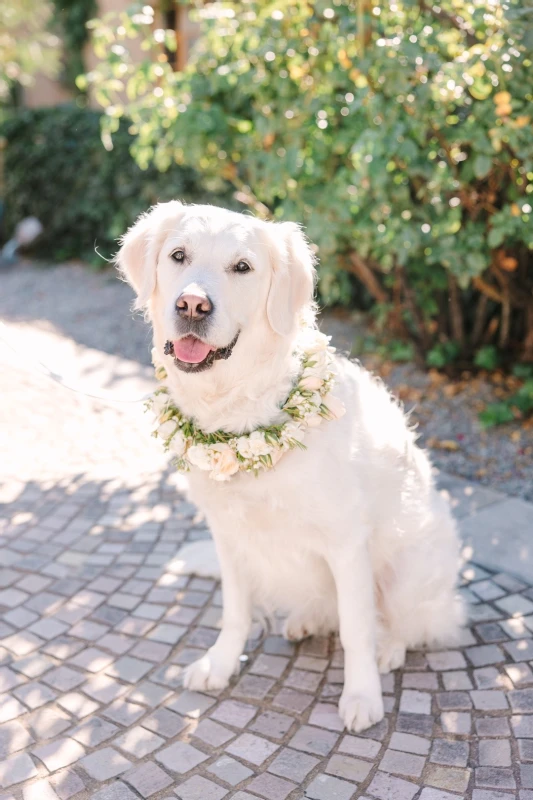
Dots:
pixel 210 278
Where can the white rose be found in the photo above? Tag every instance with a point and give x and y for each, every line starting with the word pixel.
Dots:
pixel 319 362
pixel 296 401
pixel 243 446
pixel 335 406
pixel 224 462
pixel 199 456
pixel 258 444
pixel 293 430
pixel 178 443
pixel 315 342
pixel 166 429
pixel 316 400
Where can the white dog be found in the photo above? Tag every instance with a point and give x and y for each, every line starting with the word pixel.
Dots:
pixel 348 534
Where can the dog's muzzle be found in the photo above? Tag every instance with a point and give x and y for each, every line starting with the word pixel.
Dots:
pixel 221 354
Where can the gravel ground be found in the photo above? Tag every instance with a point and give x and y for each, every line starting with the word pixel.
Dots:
pixel 92 309
pixel 446 415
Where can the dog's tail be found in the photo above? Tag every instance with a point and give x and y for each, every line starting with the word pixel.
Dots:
pixel 197 558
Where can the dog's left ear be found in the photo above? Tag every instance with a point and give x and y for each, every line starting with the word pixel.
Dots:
pixel 293 278
pixel 139 251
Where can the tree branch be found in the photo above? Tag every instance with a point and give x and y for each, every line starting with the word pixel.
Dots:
pixel 486 288
pixel 367 277
pixel 527 354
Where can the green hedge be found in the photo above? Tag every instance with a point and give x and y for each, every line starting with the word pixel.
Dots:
pixel 399 133
pixel 57 169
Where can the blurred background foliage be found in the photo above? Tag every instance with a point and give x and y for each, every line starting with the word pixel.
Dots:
pixel 57 169
pixel 26 45
pixel 70 20
pixel 399 134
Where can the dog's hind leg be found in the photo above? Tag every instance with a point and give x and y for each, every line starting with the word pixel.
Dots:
pixel 417 599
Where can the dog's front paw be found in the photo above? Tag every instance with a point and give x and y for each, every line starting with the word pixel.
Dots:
pixel 208 674
pixel 360 711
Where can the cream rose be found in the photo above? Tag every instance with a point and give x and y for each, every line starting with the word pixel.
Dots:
pixel 199 456
pixel 311 382
pixel 166 429
pixel 178 443
pixel 224 462
pixel 335 406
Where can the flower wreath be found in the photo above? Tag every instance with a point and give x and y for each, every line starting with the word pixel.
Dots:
pixel 223 454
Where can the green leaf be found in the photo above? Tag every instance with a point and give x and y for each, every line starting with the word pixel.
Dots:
pixel 495 237
pixel 476 262
pixel 482 166
pixel 442 354
pixel 523 371
pixel 496 414
pixel 487 357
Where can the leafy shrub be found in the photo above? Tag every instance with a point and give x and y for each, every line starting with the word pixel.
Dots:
pixel 400 134
pixel 71 17
pixel 487 357
pixel 442 354
pixel 518 405
pixel 56 168
pixel 26 46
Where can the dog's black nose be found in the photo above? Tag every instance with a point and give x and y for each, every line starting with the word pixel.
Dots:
pixel 193 306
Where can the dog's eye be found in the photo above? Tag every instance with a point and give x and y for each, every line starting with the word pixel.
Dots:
pixel 242 266
pixel 178 255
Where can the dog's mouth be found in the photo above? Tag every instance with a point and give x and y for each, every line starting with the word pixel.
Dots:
pixel 194 355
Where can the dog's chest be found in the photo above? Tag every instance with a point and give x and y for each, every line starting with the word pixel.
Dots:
pixel 243 500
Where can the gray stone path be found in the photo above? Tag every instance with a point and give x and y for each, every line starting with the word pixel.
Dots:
pixel 96 625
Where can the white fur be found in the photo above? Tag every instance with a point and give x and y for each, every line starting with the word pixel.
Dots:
pixel 349 534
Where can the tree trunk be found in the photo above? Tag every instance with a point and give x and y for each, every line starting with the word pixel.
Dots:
pixel 456 313
pixel 479 320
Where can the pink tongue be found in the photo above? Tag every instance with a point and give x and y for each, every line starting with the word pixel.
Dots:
pixel 191 349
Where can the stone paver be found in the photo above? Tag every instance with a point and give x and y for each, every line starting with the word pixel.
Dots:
pixel 97 625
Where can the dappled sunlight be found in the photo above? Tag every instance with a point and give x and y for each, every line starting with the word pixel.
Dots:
pixel 75 311
pixel 517 626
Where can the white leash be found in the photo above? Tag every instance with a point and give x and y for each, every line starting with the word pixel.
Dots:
pixel 35 364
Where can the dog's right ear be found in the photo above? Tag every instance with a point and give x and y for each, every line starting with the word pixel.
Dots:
pixel 139 249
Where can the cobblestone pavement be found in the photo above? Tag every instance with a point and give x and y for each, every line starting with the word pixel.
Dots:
pixel 96 626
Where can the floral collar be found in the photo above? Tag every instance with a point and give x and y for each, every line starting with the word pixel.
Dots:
pixel 223 454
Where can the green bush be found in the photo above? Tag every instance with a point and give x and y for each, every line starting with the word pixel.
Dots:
pixel 71 18
pixel 56 168
pixel 399 133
